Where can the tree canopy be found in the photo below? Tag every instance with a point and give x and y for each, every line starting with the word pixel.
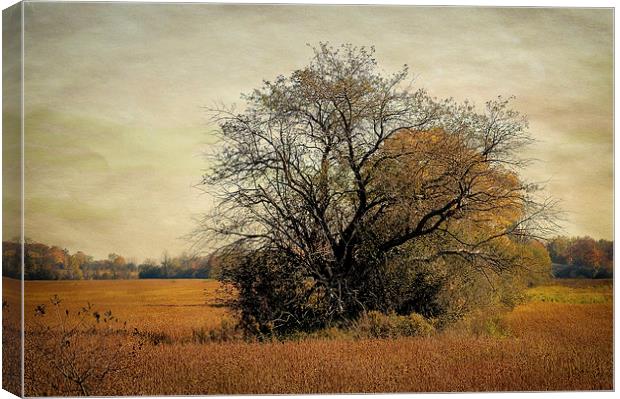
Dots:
pixel 332 175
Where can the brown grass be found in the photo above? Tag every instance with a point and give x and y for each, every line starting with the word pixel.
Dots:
pixel 11 336
pixel 172 307
pixel 548 346
pixel 582 283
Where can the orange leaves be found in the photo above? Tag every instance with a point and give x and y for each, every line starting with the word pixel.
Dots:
pixel 425 169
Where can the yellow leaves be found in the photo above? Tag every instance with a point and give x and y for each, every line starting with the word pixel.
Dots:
pixel 426 169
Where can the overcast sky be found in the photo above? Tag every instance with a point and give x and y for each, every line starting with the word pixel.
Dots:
pixel 114 99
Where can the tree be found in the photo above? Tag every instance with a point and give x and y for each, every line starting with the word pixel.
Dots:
pixel 166 264
pixel 559 250
pixel 11 258
pixel 330 176
pixel 75 267
pixel 581 257
pixel 607 248
pixel 38 264
pixel 116 259
pixel 58 256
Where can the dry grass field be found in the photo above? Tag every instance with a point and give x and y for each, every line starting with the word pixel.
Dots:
pixel 172 307
pixel 561 339
pixel 11 336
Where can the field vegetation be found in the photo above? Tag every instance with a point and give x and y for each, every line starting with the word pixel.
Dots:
pixel 551 342
pixel 11 336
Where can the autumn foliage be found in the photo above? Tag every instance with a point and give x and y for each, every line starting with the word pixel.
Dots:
pixel 341 190
pixel 581 257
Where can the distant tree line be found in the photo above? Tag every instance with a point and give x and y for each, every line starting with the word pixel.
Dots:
pixel 44 262
pixel 581 257
pixel 572 257
pixel 184 266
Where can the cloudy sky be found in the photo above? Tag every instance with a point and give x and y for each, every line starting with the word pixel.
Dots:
pixel 115 96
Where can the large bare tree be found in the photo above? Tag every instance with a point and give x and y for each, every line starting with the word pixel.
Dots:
pixel 329 173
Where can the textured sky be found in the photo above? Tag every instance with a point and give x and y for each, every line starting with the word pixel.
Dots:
pixel 114 97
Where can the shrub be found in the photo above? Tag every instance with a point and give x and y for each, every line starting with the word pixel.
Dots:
pixel 153 337
pixel 483 322
pixel 374 324
pixel 200 335
pixel 228 330
pixel 414 325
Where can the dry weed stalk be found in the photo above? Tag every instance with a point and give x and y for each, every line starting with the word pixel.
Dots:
pixel 78 352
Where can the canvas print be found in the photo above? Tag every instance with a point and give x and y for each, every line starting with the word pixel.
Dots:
pixel 226 199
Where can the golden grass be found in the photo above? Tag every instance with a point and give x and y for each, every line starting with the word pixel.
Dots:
pixel 11 336
pixel 173 307
pixel 445 363
pixel 604 283
pixel 573 291
pixel 11 292
pixel 549 346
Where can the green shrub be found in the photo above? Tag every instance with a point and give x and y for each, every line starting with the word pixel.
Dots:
pixel 496 328
pixel 483 322
pixel 414 325
pixel 378 325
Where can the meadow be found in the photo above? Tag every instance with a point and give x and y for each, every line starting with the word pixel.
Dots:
pixel 560 339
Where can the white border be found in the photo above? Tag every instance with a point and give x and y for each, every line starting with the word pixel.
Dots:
pixel 484 3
